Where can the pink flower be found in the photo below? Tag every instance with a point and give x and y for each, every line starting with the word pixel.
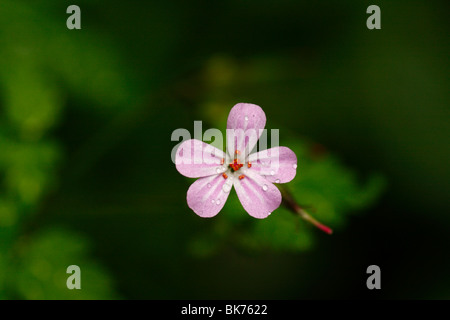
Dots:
pixel 252 175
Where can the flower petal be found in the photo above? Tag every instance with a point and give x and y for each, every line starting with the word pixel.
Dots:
pixel 207 196
pixel 245 125
pixel 277 164
pixel 195 158
pixel 258 196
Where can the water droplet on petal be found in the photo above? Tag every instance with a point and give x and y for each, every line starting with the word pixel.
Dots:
pixel 246 118
pixel 213 201
pixel 218 202
pixel 265 187
pixel 272 172
pixel 209 185
pixel 269 213
pixel 295 166
pixel 277 181
pixel 226 187
pixel 219 170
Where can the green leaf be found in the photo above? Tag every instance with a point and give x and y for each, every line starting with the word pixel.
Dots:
pixel 44 258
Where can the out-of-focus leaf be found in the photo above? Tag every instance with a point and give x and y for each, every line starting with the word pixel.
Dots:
pixel 85 66
pixel 8 212
pixel 41 64
pixel 32 103
pixel 327 186
pixel 44 258
pixel 30 169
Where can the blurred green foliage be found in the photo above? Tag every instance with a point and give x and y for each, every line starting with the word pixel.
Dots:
pixel 42 261
pixel 35 74
pixel 85 124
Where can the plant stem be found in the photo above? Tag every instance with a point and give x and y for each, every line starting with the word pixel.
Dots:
pixel 290 203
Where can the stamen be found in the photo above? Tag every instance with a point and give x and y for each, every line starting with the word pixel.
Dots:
pixel 241 177
pixel 225 176
pixel 222 161
pixel 237 152
pixel 249 164
pixel 236 165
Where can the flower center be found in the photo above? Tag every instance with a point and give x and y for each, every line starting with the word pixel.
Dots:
pixel 235 165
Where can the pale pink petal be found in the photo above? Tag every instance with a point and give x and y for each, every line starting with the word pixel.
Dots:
pixel 258 196
pixel 195 158
pixel 245 125
pixel 277 164
pixel 207 196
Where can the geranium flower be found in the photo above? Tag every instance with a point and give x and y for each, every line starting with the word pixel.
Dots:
pixel 252 175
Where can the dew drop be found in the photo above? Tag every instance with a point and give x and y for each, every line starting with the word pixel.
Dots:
pixel 213 201
pixel 226 187
pixel 219 170
pixel 294 166
pixel 218 202
pixel 246 118
pixel 265 187
pixel 277 181
pixel 272 172
pixel 266 163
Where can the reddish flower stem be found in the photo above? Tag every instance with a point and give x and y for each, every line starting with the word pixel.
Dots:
pixel 290 203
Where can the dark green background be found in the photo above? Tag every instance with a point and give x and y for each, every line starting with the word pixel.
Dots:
pixel 137 70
